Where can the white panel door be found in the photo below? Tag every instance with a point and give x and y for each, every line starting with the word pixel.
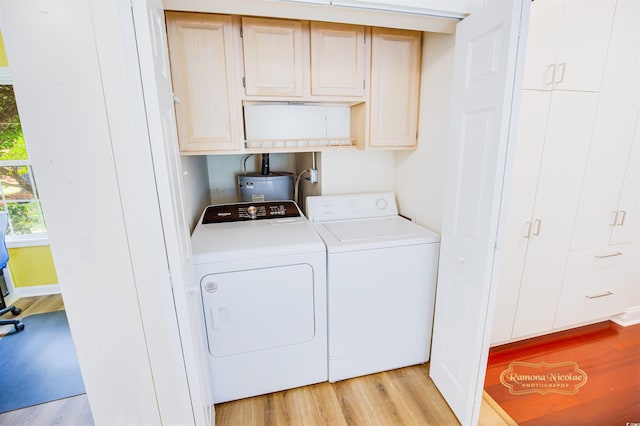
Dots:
pixel 485 72
pixel 156 81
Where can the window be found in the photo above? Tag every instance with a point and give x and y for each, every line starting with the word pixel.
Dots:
pixel 18 194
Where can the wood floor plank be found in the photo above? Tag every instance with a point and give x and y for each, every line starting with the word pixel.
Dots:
pixel 608 353
pixel 404 396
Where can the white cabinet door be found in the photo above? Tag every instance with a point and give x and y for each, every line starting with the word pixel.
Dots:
pixel 485 70
pixel 583 42
pixel 598 283
pixel 627 227
pixel 542 44
pixel 526 166
pixel 568 43
pixel 613 132
pixel 565 155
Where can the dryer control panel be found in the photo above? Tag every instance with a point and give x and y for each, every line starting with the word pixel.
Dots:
pixel 237 212
pixel 351 206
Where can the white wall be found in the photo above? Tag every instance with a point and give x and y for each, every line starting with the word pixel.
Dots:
pixel 419 174
pixel 343 172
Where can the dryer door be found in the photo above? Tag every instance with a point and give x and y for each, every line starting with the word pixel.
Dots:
pixel 258 309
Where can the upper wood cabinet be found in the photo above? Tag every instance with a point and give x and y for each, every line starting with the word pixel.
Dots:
pixel 221 62
pixel 208 111
pixel 339 60
pixel 395 88
pixel 274 57
pixel 567 44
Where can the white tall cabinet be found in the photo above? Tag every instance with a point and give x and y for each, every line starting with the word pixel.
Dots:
pixel 572 229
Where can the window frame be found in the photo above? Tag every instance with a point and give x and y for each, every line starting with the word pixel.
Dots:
pixel 22 240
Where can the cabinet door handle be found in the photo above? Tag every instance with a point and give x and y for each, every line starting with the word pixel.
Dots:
pixel 528 233
pixel 538 223
pixel 615 218
pixel 550 81
pixel 562 66
pixel 608 293
pixel 623 215
pixel 604 256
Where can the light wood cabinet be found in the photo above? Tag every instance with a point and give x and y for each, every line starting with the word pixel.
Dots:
pixel 395 88
pixel 274 57
pixel 567 44
pixel 220 63
pixel 339 59
pixel 208 112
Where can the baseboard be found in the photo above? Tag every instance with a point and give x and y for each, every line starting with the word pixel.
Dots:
pixel 37 290
pixel 630 316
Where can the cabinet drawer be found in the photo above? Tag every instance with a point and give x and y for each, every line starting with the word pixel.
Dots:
pixel 598 283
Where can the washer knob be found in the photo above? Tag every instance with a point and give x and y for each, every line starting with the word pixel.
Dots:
pixel 252 211
pixel 381 203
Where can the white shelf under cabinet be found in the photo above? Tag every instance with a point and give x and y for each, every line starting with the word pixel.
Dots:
pixel 299 145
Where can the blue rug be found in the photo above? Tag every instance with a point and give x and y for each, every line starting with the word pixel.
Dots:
pixel 39 364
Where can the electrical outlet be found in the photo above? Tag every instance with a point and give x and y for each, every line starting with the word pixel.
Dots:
pixel 313 175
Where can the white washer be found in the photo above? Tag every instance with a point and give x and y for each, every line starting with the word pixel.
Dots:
pixel 381 283
pixel 262 272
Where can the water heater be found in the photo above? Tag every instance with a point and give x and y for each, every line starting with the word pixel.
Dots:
pixel 274 186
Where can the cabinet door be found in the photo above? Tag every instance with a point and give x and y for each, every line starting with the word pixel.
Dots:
pixel 207 109
pixel 395 88
pixel 598 283
pixel 582 47
pixel 613 132
pixel 532 124
pixel 564 158
pixel 338 59
pixel 273 57
pixel 627 227
pixel 542 44
pixel 567 44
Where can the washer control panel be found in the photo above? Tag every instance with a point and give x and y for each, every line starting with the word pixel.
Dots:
pixel 250 211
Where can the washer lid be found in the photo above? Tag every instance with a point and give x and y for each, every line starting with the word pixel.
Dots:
pixel 363 234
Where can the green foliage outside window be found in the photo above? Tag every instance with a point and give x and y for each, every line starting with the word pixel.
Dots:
pixel 16 181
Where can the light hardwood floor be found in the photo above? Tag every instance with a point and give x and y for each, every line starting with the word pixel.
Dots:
pixel 399 397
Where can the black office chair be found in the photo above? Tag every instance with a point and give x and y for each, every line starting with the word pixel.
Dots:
pixel 4 258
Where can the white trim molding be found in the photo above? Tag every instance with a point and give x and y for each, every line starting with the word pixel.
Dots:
pixel 5 75
pixel 37 290
pixel 29 240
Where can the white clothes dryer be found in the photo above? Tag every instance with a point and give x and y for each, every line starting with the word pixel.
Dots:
pixel 381 283
pixel 262 272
